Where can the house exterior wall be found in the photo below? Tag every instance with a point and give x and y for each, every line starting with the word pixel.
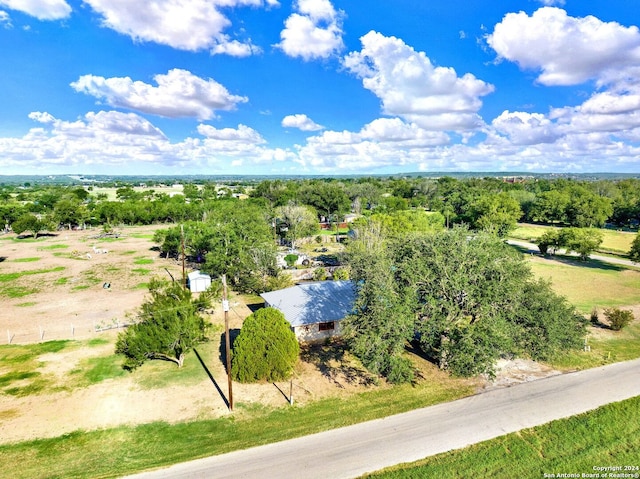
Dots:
pixel 311 332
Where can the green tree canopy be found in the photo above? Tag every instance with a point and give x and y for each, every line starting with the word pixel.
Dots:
pixel 381 323
pixel 30 222
pixel 167 326
pixel 582 241
pixel 634 251
pixel 265 349
pixel 235 238
pixel 468 297
pixel 297 221
pixel 496 213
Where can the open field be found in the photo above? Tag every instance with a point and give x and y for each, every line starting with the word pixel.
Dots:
pixel 618 242
pixel 54 287
pixel 111 191
pixel 589 284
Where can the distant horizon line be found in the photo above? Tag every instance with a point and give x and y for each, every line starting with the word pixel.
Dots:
pixel 142 177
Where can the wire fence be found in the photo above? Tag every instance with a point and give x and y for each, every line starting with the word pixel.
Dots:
pixel 61 332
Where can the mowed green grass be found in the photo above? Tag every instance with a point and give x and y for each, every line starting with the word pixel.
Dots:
pixel 615 241
pixel 608 436
pixel 590 284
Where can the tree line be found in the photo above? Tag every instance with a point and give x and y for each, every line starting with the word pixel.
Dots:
pixel 482 203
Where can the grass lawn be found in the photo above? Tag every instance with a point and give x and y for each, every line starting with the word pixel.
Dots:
pixel 608 436
pixel 618 242
pixel 590 284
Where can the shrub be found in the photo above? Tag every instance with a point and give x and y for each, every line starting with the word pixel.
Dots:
pixel 291 259
pixel 320 274
pixel 618 318
pixel 341 274
pixel 265 349
pixel 279 281
pixel 594 318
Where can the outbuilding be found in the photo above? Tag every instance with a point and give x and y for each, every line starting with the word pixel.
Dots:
pixel 314 310
pixel 198 282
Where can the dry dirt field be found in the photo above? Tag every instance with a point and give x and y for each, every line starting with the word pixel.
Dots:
pixel 63 297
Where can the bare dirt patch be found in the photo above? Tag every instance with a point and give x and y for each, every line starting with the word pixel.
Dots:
pixel 64 293
pixel 515 371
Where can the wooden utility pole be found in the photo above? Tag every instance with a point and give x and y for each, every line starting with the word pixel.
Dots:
pixel 227 339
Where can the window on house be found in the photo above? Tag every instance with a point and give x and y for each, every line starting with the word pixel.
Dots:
pixel 326 326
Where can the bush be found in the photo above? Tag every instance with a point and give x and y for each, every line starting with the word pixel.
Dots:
pixel 265 349
pixel 618 318
pixel 320 274
pixel 341 274
pixel 291 259
pixel 594 318
pixel 279 281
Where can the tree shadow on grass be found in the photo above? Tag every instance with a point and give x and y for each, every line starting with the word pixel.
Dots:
pixel 525 249
pixel 206 369
pixel 570 260
pixel 331 360
pixel 590 263
pixel 413 347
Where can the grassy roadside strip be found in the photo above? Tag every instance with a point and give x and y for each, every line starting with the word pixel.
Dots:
pixel 607 436
pixel 125 450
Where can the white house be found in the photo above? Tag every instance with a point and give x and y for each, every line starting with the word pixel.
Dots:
pixel 314 310
pixel 198 282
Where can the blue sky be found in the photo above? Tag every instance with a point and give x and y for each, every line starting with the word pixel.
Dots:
pixel 318 86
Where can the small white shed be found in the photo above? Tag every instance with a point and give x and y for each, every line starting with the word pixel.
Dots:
pixel 198 282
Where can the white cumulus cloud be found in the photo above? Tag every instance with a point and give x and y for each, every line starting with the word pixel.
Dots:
pixel 178 93
pixel 567 50
pixel 315 32
pixel 190 25
pixel 411 87
pixel 41 9
pixel 242 134
pixel 384 142
pixel 300 121
pixel 108 141
pixel 526 128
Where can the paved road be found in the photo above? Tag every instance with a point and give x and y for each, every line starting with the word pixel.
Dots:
pixel 533 248
pixel 352 451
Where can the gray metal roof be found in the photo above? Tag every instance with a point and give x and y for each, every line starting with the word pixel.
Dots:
pixel 194 275
pixel 310 303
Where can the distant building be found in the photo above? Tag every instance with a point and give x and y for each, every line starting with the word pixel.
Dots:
pixel 198 282
pixel 314 310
